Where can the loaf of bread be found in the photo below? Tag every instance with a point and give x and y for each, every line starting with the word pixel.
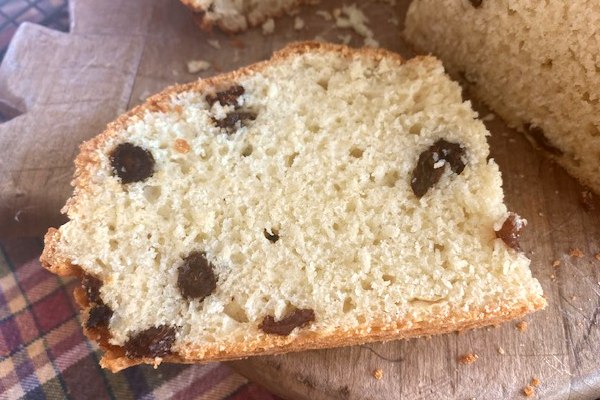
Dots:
pixel 323 198
pixel 536 63
pixel 238 15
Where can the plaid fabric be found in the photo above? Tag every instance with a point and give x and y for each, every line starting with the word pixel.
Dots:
pixel 44 354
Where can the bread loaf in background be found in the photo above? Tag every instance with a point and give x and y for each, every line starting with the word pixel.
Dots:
pixel 536 63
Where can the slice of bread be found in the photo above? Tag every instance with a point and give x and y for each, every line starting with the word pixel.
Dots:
pixel 535 63
pixel 238 15
pixel 326 197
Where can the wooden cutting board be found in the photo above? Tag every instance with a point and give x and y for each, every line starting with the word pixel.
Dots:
pixel 66 87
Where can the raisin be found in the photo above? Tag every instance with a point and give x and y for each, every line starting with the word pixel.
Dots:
pixel 92 286
pixel 271 237
pixel 132 163
pixel 230 121
pixel 285 326
pixel 476 3
pixel 227 97
pixel 196 279
pixel 152 342
pixel 542 141
pixel 428 172
pixel 99 316
pixel 511 230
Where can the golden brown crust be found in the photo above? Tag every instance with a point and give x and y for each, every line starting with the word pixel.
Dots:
pixel 272 344
pixel 114 357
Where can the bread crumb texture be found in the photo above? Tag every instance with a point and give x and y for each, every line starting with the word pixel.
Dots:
pixel 288 184
pixel 535 63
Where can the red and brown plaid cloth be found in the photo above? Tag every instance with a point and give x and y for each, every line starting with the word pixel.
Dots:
pixel 44 354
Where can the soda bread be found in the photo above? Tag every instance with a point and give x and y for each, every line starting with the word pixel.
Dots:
pixel 536 63
pixel 323 198
pixel 238 15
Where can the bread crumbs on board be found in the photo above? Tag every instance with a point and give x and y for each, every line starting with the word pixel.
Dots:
pixel 378 374
pixel 195 66
pixel 529 391
pixel 522 326
pixel 556 263
pixel 575 252
pixel 468 358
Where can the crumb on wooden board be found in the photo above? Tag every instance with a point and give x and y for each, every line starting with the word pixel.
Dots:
pixel 575 252
pixel 378 374
pixel 468 358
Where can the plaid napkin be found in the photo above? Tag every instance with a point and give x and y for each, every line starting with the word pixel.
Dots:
pixel 44 354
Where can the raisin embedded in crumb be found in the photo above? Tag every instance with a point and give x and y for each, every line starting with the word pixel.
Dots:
pixel 285 326
pixel 153 342
pixel 132 163
pixel 230 121
pixel 431 165
pixel 227 97
pixel 271 237
pixel 542 141
pixel 476 3
pixel 99 316
pixel 92 286
pixel 511 230
pixel 196 279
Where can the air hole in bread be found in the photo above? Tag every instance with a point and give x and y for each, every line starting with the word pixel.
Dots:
pixel 223 150
pixel 235 311
pixel 289 161
pixel 184 167
pixel 349 305
pixel 389 278
pixel 314 128
pixel 152 193
pixel 390 178
pixel 113 244
pixel 247 151
pixel 271 151
pixel 415 129
pixel 366 284
pixel 351 206
pixel 165 211
pixel 547 64
pixel 324 83
pixel 586 97
pixel 593 130
pixel 238 258
pixel 356 152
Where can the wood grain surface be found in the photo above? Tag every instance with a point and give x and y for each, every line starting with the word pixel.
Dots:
pixel 64 88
